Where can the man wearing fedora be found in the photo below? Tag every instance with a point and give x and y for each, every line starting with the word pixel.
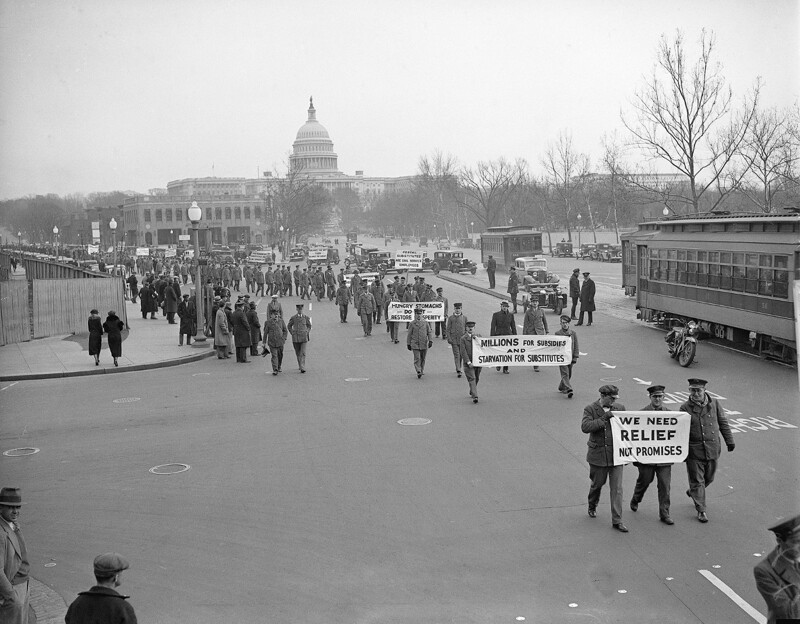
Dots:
pixel 14 586
pixel 102 603
pixel 587 299
pixel 778 575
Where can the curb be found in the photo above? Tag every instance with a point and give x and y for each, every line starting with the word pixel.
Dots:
pixel 47 603
pixel 110 371
pixel 481 289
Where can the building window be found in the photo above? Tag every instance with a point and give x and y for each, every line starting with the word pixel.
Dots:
pixel 179 214
pixel 247 212
pixel 208 214
pixel 237 213
pixel 168 212
pixel 258 212
pixel 218 214
pixel 228 212
pixel 159 216
pixel 147 214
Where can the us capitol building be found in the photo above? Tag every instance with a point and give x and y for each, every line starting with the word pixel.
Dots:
pixel 241 209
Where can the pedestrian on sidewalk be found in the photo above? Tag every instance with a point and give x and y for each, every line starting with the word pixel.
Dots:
pixel 255 327
pixel 241 333
pixel 14 582
pixel 187 313
pixel 222 337
pixel 95 335
pixel 102 603
pixel 113 328
pixel 133 284
pixel 147 300
pixel 587 299
pixel 491 267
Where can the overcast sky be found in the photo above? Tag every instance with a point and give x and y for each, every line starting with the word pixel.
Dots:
pixel 101 95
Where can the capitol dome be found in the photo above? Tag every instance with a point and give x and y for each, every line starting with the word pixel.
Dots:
pixel 312 150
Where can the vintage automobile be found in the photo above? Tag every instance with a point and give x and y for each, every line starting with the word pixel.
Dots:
pixel 540 283
pixel 380 261
pixel 443 244
pixel 453 261
pixel 599 250
pixel 423 241
pixel 613 253
pixel 405 241
pixel 297 254
pixel 563 249
pixel 585 251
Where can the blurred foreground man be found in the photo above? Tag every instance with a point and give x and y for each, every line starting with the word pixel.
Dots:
pixel 102 603
pixel 14 585
pixel 778 575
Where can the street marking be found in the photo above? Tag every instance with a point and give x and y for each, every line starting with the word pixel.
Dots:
pixel 738 600
pixel 582 353
pixel 200 374
pixel 622 591
pixel 607 365
pixel 730 412
pixel 357 379
pixel 572 605
pixel 169 469
pixel 414 421
pixel 610 379
pixel 9 385
pixel 642 381
pixel 757 423
pixel 49 565
pixel 127 400
pixel 19 452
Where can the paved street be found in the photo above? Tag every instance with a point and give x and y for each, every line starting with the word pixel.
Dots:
pixel 305 501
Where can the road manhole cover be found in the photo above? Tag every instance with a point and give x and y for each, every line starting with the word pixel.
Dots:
pixel 357 379
pixel 169 469
pixel 19 452
pixel 127 400
pixel 414 421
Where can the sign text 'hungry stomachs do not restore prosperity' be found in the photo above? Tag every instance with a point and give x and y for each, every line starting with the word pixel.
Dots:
pixel 650 437
pixel 403 311
pixel 545 350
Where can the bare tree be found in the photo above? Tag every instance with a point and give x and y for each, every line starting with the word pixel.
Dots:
pixel 685 118
pixel 436 181
pixel 770 154
pixel 303 205
pixel 486 190
pixel 565 170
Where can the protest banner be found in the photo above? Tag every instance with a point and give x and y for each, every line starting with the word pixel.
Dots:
pixel 404 263
pixel 545 350
pixel 368 277
pixel 142 251
pixel 650 437
pixel 317 254
pixel 93 249
pixel 170 253
pixel 403 311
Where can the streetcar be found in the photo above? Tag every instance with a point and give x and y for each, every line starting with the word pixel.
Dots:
pixel 506 243
pixel 732 273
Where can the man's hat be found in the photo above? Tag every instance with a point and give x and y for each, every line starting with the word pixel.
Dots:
pixel 217 298
pixel 786 527
pixel 253 304
pixel 108 564
pixel 470 323
pixel 504 304
pixel 656 390
pixel 609 390
pixel 457 305
pixel 298 306
pixel 247 296
pixel 586 272
pixel 576 270
pixel 513 268
pixel 565 317
pixel 186 296
pixel 228 304
pixel 274 296
pixel 697 383
pixel 440 289
pixel 10 497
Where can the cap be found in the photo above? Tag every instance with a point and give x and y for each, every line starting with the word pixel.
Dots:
pixel 656 389
pixel 513 268
pixel 457 305
pixel 440 289
pixel 470 323
pixel 609 390
pixel 110 563
pixel 786 527
pixel 10 497
pixel 274 296
pixel 298 306
pixel 586 272
pixel 576 270
pixel 565 317
pixel 697 383
pixel 186 296
pixel 504 304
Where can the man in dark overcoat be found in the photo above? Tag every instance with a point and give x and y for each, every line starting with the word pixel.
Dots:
pixel 241 333
pixel 255 327
pixel 778 575
pixel 600 456
pixel 472 372
pixel 574 292
pixel 275 334
pixel 102 603
pixel 503 325
pixel 587 298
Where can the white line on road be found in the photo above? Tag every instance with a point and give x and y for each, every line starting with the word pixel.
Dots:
pixel 743 605
pixel 9 385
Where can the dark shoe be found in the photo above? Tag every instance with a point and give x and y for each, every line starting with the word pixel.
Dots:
pixel 419 375
pixel 396 341
pixel 499 367
pixel 274 372
pixel 505 372
pixel 634 505
pixel 689 493
pixel 620 527
pixel 302 370
pixel 592 512
pixel 116 363
pixel 578 324
pixel 569 394
pixel 588 324
pixel 574 318
pixel 702 517
pixel 667 520
pixel 459 374
pixel 474 399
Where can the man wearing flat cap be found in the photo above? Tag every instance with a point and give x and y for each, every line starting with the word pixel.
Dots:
pixel 662 472
pixel 595 422
pixel 565 385
pixel 708 422
pixel 14 581
pixel 778 575
pixel 454 330
pixel 102 603
pixel 472 372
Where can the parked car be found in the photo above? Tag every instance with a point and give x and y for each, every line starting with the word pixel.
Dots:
pixel 563 249
pixel 540 283
pixel 613 253
pixel 443 244
pixel 585 251
pixel 423 241
pixel 405 241
pixel 297 254
pixel 599 250
pixel 453 261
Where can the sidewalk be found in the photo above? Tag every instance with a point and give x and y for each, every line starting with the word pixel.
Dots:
pixel 148 344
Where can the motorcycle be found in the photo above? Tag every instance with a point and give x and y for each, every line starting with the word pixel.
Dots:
pixel 682 341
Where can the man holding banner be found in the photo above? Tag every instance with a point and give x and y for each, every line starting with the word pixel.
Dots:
pixel 662 472
pixel 600 456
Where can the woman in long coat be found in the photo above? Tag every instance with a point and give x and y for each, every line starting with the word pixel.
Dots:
pixel 95 336
pixel 222 334
pixel 113 327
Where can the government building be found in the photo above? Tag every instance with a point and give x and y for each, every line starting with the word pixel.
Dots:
pixel 240 210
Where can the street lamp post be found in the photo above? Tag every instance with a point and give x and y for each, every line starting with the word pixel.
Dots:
pixel 579 232
pixel 55 240
pixel 195 213
pixel 19 240
pixel 171 238
pixel 283 249
pixel 113 227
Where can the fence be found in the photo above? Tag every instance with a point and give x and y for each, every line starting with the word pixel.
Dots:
pixel 39 308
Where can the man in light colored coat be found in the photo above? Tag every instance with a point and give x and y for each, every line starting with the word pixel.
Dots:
pixel 14 581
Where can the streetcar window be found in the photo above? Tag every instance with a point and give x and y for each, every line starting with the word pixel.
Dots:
pixel 738 277
pixel 654 253
pixel 681 254
pixel 766 278
pixel 765 260
pixel 681 276
pixel 672 254
pixel 725 276
pixel 691 255
pixel 751 285
pixel 724 257
pixel 702 274
pixel 713 256
pixel 781 283
pixel 702 256
pixel 713 275
pixel 738 258
pixel 691 273
pixel 672 270
pixel 781 262
pixel 751 260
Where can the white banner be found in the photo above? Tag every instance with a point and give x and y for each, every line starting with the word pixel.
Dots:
pixel 403 311
pixel 184 237
pixel 93 249
pixel 545 350
pixel 142 251
pixel 407 262
pixel 408 253
pixel 318 254
pixel 369 277
pixel 650 437
pixel 170 253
